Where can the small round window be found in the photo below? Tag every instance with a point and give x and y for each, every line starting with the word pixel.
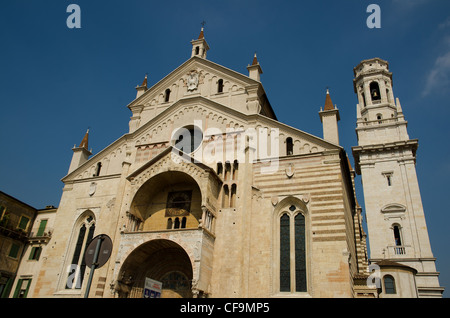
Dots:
pixel 187 139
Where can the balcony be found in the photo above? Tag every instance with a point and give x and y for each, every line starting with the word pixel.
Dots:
pixel 399 251
pixel 13 232
pixel 38 237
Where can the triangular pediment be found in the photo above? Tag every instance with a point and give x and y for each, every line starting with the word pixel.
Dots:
pixel 195 76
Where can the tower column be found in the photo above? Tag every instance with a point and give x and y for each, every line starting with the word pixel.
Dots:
pixel 329 117
pixel 385 158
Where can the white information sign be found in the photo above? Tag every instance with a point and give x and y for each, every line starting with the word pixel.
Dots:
pixel 152 288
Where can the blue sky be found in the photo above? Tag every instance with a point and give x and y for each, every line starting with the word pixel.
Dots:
pixel 55 82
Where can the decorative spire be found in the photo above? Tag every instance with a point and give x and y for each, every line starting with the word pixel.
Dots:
pixel 255 60
pixel 202 35
pixel 254 70
pixel 143 88
pixel 84 142
pixel 328 102
pixel 144 83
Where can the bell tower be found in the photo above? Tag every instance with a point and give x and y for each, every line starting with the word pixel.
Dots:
pixel 385 158
pixel 200 46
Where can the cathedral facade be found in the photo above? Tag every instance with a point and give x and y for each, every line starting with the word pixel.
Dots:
pixel 210 195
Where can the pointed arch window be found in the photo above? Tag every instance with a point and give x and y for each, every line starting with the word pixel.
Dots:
pixel 77 267
pixel 292 262
pixel 220 86
pixel 300 262
pixel 285 254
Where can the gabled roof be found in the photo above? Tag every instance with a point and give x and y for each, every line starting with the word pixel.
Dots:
pixel 195 60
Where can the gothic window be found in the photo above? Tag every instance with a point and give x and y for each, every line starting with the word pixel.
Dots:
pixel 220 86
pixel 183 222
pixel 375 91
pixel 292 253
pixel 289 146
pixel 300 262
pixel 169 223
pixel 77 267
pixel 285 254
pixel 389 285
pixel 176 223
pixel 364 99
pixel 197 50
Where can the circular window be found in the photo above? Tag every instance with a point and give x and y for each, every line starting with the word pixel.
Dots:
pixel 187 139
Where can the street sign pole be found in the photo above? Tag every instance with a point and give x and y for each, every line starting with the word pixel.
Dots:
pixel 94 265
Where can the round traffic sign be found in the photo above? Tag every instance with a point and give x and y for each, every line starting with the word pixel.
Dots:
pixel 104 251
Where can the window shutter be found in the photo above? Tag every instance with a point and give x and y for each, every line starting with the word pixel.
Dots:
pixel 23 222
pixel 42 226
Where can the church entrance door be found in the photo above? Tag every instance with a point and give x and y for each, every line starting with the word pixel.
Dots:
pixel 161 260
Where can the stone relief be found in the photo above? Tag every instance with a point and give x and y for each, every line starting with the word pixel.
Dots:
pixel 192 81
